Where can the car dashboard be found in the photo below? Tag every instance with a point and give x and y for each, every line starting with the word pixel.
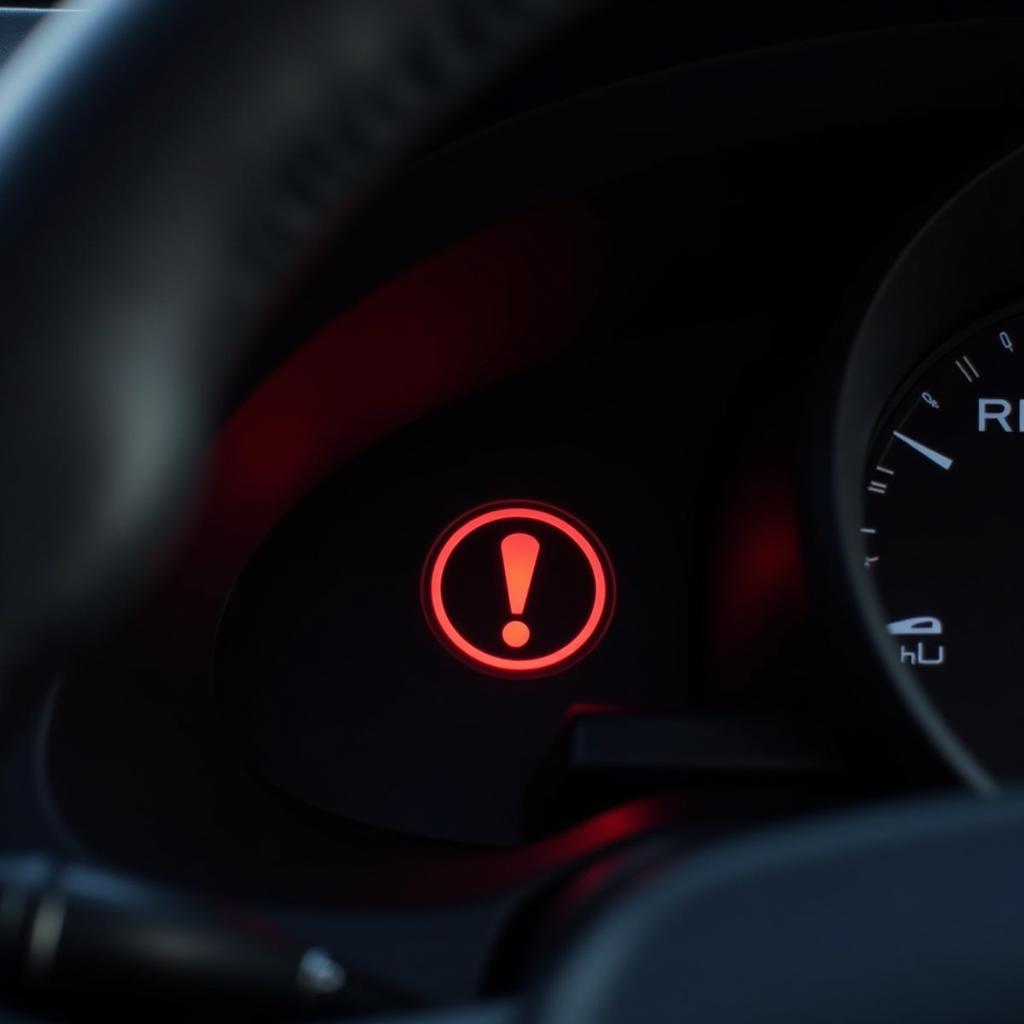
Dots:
pixel 640 465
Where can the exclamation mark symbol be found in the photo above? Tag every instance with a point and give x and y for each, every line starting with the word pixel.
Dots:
pixel 519 556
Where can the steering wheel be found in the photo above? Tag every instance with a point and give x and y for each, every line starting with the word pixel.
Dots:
pixel 167 169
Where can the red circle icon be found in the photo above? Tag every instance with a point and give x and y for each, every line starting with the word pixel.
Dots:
pixel 518 589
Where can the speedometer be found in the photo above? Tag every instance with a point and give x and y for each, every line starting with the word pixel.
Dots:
pixel 943 534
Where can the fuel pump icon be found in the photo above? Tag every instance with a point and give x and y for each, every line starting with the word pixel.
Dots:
pixel 925 653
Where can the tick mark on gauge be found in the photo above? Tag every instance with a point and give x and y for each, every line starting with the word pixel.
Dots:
pixel 940 460
pixel 867 529
pixel 968 369
pixel 877 487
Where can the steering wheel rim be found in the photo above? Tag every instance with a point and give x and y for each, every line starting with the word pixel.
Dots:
pixel 897 914
pixel 171 164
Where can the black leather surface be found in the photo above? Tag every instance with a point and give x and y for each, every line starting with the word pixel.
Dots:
pixel 165 166
pixel 906 915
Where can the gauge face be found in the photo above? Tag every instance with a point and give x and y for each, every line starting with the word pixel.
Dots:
pixel 943 539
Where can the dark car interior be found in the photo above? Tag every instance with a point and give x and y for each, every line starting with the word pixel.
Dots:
pixel 510 511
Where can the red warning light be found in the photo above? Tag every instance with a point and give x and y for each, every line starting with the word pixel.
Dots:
pixel 519 554
pixel 518 589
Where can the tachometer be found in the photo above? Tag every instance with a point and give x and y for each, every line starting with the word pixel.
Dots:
pixel 943 538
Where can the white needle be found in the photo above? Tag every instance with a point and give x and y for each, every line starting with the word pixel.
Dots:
pixel 929 453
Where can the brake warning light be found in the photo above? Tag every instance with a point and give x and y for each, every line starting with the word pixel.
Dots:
pixel 518 589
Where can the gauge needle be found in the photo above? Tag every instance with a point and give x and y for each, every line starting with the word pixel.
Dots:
pixel 929 453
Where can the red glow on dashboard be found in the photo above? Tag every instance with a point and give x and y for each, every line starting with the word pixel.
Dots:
pixel 493 303
pixel 759 590
pixel 519 553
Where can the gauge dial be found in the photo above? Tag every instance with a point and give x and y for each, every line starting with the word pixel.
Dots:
pixel 943 540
